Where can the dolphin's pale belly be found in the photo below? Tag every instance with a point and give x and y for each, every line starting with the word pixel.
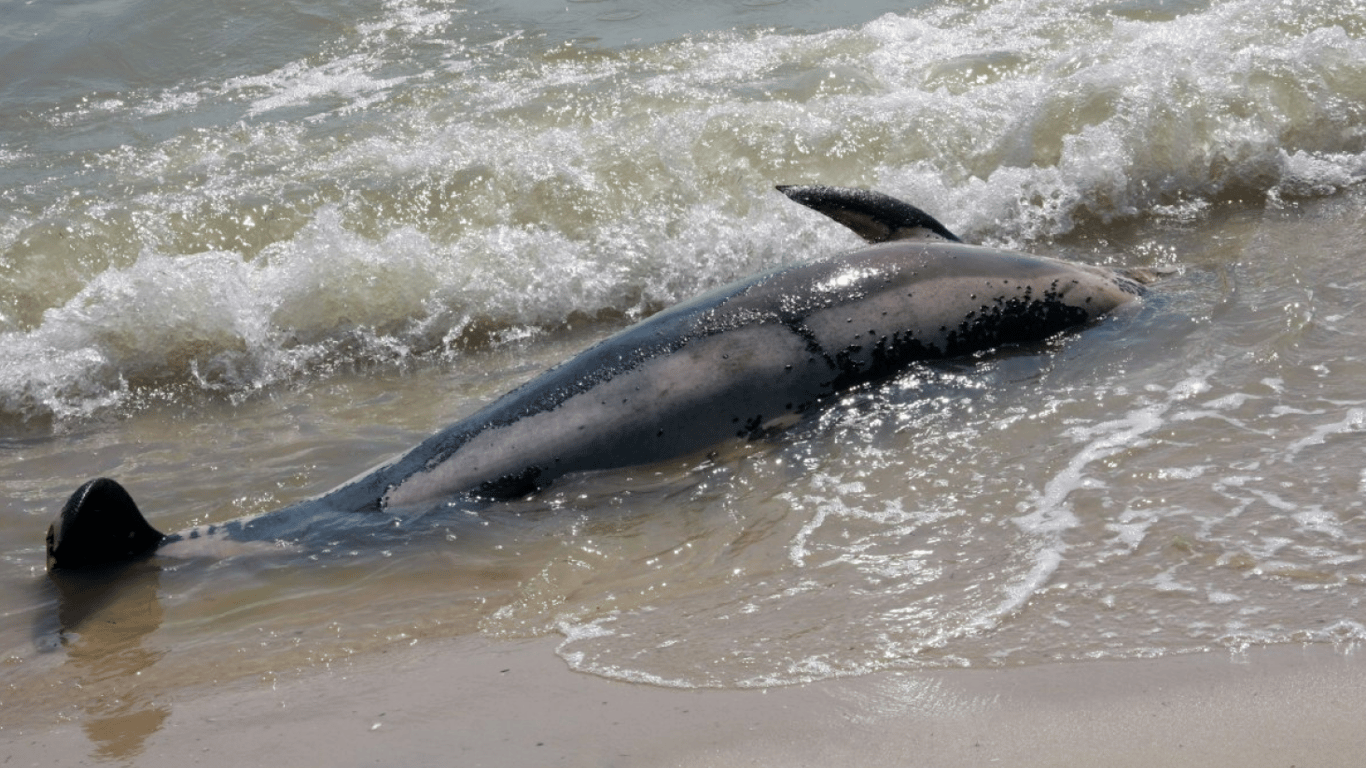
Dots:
pixel 713 388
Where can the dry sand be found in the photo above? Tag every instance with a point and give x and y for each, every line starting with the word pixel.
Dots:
pixel 477 702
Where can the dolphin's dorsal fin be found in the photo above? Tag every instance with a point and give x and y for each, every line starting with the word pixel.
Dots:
pixel 99 525
pixel 875 217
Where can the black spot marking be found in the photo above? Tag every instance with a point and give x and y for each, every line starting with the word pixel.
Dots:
pixel 1014 320
pixel 752 425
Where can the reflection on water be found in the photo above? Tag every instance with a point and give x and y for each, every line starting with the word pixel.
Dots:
pixel 106 617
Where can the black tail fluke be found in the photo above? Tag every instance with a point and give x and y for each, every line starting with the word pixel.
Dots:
pixel 99 525
pixel 875 217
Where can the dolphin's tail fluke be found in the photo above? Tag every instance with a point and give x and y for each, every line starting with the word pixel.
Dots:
pixel 875 217
pixel 99 526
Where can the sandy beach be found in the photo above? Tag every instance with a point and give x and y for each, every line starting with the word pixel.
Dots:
pixel 476 702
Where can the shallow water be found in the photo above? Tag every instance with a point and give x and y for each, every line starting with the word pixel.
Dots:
pixel 245 264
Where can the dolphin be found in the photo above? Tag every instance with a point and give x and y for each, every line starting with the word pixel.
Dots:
pixel 738 362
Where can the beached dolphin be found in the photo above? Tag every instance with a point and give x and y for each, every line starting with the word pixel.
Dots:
pixel 737 362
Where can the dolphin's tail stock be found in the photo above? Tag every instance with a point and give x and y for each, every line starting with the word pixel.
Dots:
pixel 99 525
pixel 875 217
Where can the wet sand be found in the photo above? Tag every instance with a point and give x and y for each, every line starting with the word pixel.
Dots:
pixel 479 702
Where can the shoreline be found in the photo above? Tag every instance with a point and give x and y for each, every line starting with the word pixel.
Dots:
pixel 510 703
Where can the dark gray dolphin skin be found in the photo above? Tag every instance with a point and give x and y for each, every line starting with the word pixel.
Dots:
pixel 734 363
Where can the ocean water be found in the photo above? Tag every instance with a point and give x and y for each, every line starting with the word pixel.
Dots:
pixel 247 252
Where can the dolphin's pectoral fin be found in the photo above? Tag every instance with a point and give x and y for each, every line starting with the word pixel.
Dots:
pixel 99 525
pixel 875 217
pixel 513 486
